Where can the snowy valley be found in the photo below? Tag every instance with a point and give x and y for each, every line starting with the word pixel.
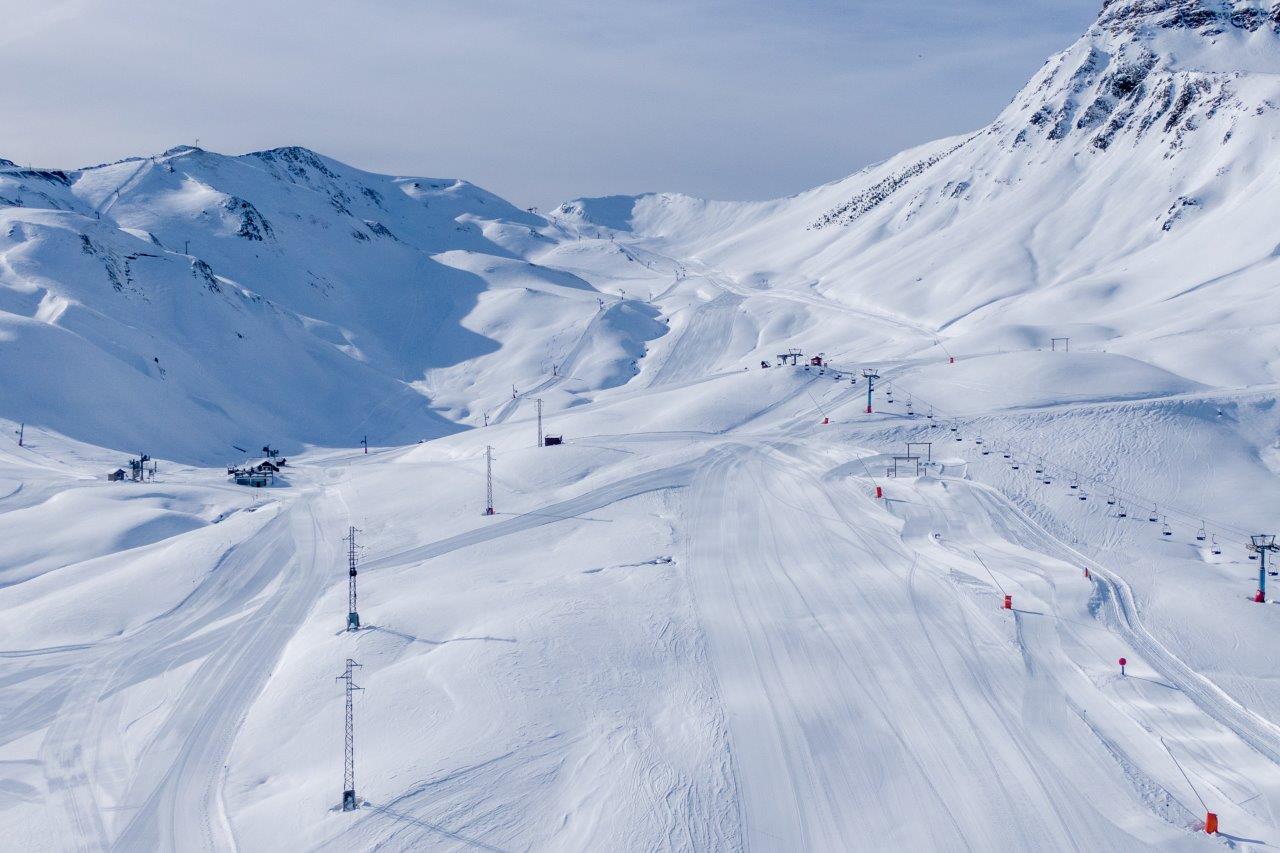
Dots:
pixel 872 596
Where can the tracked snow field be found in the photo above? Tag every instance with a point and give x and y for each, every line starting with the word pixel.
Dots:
pixel 704 634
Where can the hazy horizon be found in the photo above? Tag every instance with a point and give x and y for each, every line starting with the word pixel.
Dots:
pixel 571 98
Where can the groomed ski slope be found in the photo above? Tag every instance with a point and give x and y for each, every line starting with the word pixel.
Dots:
pixel 692 627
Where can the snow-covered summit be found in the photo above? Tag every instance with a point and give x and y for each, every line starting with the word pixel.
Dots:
pixel 1124 194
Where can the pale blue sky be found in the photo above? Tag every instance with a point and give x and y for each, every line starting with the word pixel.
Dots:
pixel 537 101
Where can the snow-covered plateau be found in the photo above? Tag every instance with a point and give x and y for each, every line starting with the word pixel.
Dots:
pixel 734 608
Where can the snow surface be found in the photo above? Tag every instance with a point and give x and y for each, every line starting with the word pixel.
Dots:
pixel 693 626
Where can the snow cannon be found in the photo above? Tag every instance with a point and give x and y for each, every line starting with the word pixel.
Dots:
pixel 1211 823
pixel 826 421
pixel 1008 602
pixel 879 492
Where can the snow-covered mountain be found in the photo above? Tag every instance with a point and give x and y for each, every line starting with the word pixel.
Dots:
pixel 191 302
pixel 727 613
pixel 1127 193
pixel 1127 197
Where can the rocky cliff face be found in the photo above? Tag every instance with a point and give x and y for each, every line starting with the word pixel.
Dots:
pixel 1208 17
pixel 1149 72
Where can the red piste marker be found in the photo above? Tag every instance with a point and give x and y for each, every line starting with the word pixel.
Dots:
pixel 1122 663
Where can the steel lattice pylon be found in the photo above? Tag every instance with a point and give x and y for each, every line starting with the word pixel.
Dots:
pixel 488 480
pixel 353 615
pixel 349 802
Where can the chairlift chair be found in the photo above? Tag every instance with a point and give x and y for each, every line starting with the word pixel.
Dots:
pixel 1039 468
pixel 986 451
pixel 930 415
pixel 1047 481
pixel 1111 501
pixel 1155 514
pixel 1200 535
pixel 1016 465
pixel 1217 549
pixel 1075 482
pixel 1166 530
pixel 978 440
pixel 1121 512
pixel 1008 454
pixel 1084 496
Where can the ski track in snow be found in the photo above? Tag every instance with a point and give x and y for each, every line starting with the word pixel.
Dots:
pixel 860 659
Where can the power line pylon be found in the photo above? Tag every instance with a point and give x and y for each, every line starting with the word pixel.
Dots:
pixel 488 480
pixel 349 803
pixel 539 402
pixel 353 616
